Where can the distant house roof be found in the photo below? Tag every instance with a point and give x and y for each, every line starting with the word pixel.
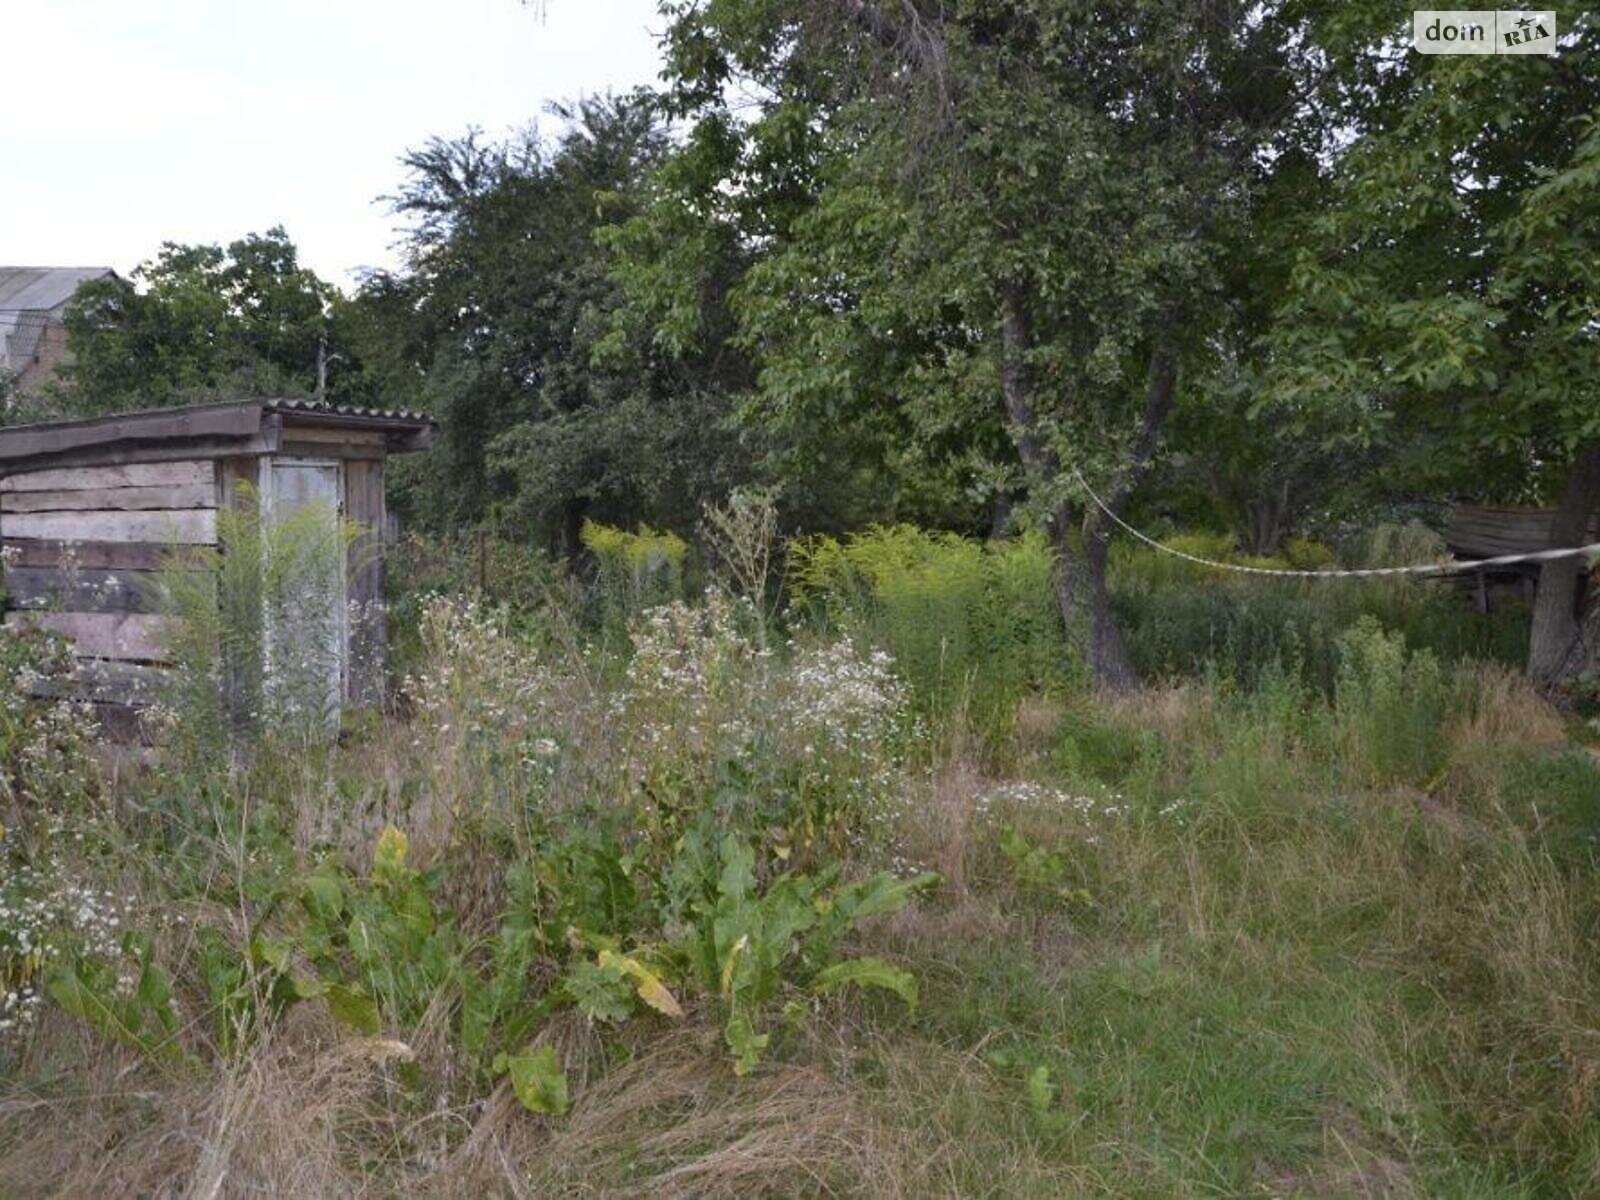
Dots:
pixel 30 298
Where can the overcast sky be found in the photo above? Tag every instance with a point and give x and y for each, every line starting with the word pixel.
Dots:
pixel 126 123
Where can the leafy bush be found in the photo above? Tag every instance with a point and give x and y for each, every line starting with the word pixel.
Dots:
pixel 1390 706
pixel 636 570
pixel 970 625
pixel 1240 627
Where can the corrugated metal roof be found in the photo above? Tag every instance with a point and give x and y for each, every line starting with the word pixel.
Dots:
pixel 323 408
pixel 244 421
pixel 30 298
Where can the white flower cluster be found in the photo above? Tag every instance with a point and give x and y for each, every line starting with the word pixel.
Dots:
pixel 822 723
pixel 844 700
pixel 481 684
pixel 47 745
pixel 1089 812
pixel 45 914
pixel 692 686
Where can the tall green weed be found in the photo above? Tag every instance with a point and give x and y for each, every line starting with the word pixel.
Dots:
pixel 971 626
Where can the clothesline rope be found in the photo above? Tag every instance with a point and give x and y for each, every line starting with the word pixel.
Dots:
pixel 1447 568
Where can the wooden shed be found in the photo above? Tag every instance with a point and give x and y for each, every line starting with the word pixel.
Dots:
pixel 1480 531
pixel 89 509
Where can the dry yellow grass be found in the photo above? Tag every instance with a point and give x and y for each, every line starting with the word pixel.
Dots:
pixel 1505 709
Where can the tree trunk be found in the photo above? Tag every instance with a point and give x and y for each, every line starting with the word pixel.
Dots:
pixel 1038 460
pixel 1554 650
pixel 1264 518
pixel 1000 515
pixel 1109 663
pixel 569 531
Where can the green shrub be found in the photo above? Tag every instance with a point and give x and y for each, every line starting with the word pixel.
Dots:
pixel 1304 554
pixel 970 625
pixel 635 570
pixel 1390 706
pixel 1240 626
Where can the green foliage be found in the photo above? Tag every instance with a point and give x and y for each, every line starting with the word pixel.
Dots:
pixel 1036 867
pixel 1305 554
pixel 199 322
pixel 502 323
pixel 257 629
pixel 136 1010
pixel 1392 544
pixel 537 1079
pixel 868 972
pixel 636 570
pixel 1474 378
pixel 247 989
pixel 969 624
pixel 740 940
pixel 1390 703
pixel 1186 620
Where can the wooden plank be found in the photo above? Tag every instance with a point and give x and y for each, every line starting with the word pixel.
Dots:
pixel 227 420
pixel 191 526
pixel 1484 532
pixel 238 483
pixel 188 495
pixel 133 636
pixel 125 724
pixel 268 441
pixel 81 590
pixel 298 431
pixel 105 681
pixel 182 473
pixel 92 555
pixel 308 449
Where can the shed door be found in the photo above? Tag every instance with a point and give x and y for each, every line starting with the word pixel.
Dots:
pixel 306 635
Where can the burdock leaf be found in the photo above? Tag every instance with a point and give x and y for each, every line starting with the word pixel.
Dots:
pixel 352 1008
pixel 537 1079
pixel 648 984
pixel 868 972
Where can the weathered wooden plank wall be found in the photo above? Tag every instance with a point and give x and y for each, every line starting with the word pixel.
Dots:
pixel 86 544
pixel 82 590
pixel 191 526
pixel 179 496
pixel 138 637
pixel 141 474
pixel 106 556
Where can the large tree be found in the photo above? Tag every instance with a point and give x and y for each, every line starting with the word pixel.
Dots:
pixel 992 234
pixel 551 410
pixel 1447 291
pixel 196 322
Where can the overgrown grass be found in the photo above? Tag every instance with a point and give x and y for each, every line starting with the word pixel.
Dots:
pixel 971 626
pixel 1266 929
